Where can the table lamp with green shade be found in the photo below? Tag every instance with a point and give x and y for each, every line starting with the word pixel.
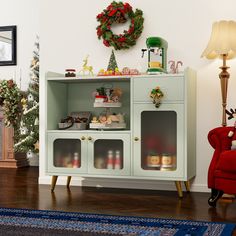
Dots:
pixel 222 44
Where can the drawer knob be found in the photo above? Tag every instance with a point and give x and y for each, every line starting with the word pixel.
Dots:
pixel 82 138
pixel 136 139
pixel 89 138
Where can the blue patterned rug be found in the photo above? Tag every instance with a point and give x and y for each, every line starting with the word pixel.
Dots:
pixel 36 222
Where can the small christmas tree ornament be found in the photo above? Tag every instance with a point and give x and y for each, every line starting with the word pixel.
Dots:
pixel 112 66
pixel 36 145
pixel 23 130
pixel 30 97
pixel 29 154
pixel 36 121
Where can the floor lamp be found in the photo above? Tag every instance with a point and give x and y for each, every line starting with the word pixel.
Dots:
pixel 222 44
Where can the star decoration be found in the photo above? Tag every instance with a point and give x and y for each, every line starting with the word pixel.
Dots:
pixel 36 145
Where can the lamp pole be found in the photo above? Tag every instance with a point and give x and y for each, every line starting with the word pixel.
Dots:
pixel 224 76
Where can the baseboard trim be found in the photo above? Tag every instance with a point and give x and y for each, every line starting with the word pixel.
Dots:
pixel 120 183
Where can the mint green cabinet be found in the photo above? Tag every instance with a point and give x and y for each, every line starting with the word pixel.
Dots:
pixel 157 143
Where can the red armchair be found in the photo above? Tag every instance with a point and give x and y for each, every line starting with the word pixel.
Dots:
pixel 222 169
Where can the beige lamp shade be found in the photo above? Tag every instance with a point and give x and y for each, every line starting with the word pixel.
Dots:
pixel 222 41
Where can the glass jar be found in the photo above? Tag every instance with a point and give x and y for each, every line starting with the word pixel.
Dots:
pixel 167 162
pixel 153 160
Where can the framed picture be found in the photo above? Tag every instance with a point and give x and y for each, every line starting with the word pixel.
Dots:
pixel 7 45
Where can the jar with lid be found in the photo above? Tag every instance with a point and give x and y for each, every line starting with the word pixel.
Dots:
pixel 153 159
pixel 167 161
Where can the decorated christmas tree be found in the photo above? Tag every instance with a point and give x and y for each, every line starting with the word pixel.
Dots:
pixel 27 139
pixel 112 62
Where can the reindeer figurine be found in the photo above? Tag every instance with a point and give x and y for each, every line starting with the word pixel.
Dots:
pixel 232 134
pixel 86 68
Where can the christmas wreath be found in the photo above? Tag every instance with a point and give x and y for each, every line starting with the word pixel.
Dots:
pixel 119 12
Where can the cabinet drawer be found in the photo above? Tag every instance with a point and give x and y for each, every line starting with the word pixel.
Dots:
pixel 172 87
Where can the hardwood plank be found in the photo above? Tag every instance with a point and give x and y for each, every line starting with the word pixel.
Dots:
pixel 20 189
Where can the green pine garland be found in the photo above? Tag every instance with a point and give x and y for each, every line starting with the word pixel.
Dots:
pixel 118 12
pixel 10 97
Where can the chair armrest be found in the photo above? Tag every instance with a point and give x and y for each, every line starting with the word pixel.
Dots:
pixel 218 138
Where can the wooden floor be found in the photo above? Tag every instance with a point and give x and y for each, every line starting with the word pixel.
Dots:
pixel 19 189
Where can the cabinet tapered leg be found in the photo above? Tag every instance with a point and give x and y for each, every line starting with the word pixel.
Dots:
pixel 68 181
pixel 187 185
pixel 179 188
pixel 54 181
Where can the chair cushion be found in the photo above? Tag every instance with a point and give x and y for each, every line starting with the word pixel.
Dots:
pixel 227 161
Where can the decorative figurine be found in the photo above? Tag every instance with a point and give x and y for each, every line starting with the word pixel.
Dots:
pixel 174 66
pixel 157 55
pixel 86 68
pixel 232 133
pixel 94 120
pixel 156 95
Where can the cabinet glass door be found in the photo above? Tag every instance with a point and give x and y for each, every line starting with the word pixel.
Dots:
pixel 158 140
pixel 109 154
pixel 67 153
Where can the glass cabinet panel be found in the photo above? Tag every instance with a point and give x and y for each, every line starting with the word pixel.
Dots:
pixel 158 140
pixel 108 154
pixel 67 153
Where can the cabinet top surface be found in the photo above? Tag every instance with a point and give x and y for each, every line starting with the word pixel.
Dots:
pixel 60 77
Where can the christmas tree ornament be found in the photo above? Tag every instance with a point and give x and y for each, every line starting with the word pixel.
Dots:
pixel 36 121
pixel 157 55
pixel 30 97
pixel 29 154
pixel 36 145
pixel 119 12
pixel 23 130
pixel 112 63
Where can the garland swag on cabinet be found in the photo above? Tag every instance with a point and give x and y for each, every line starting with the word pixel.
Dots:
pixel 156 144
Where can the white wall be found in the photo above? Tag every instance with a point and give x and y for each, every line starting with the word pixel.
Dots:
pixel 68 34
pixel 25 15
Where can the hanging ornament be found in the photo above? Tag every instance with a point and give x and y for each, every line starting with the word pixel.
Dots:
pixel 36 145
pixel 30 97
pixel 156 95
pixel 29 154
pixel 36 121
pixel 23 130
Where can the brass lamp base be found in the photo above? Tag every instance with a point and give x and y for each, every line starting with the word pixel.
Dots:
pixel 224 76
